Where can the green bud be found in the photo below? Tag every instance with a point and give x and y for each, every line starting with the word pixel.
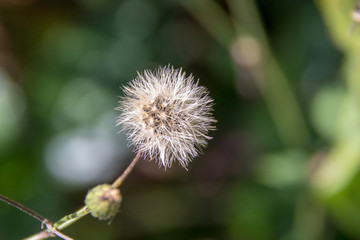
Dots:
pixel 103 201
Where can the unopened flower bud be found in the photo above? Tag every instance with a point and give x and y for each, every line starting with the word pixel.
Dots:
pixel 103 201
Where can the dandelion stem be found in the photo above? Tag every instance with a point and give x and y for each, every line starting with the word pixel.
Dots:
pixel 117 183
pixel 71 218
pixel 52 230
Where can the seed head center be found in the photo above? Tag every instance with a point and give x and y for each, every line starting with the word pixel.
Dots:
pixel 157 115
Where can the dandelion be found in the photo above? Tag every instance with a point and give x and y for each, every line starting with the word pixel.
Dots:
pixel 166 115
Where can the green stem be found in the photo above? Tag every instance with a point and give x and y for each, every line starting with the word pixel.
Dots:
pixel 71 218
pixel 245 22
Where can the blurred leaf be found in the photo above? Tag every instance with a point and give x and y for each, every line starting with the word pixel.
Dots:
pixel 283 169
pixel 250 211
pixel 12 108
pixel 325 111
pixel 337 14
pixel 338 169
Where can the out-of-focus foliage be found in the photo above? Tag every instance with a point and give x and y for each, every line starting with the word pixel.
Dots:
pixel 283 164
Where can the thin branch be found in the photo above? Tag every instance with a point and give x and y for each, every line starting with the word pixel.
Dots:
pixel 53 229
pixel 23 208
pixel 48 233
pixel 39 236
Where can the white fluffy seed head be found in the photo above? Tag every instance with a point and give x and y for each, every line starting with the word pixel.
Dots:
pixel 166 115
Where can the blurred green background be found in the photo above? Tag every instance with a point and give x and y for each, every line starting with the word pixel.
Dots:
pixel 285 76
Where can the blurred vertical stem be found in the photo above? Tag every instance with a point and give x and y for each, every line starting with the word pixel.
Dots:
pixel 337 15
pixel 333 177
pixel 213 18
pixel 309 221
pixel 246 23
pixel 343 162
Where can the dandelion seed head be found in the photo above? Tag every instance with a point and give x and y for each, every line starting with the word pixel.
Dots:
pixel 166 115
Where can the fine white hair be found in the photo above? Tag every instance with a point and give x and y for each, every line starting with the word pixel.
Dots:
pixel 167 116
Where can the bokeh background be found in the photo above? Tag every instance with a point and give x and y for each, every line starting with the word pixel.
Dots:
pixel 284 160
